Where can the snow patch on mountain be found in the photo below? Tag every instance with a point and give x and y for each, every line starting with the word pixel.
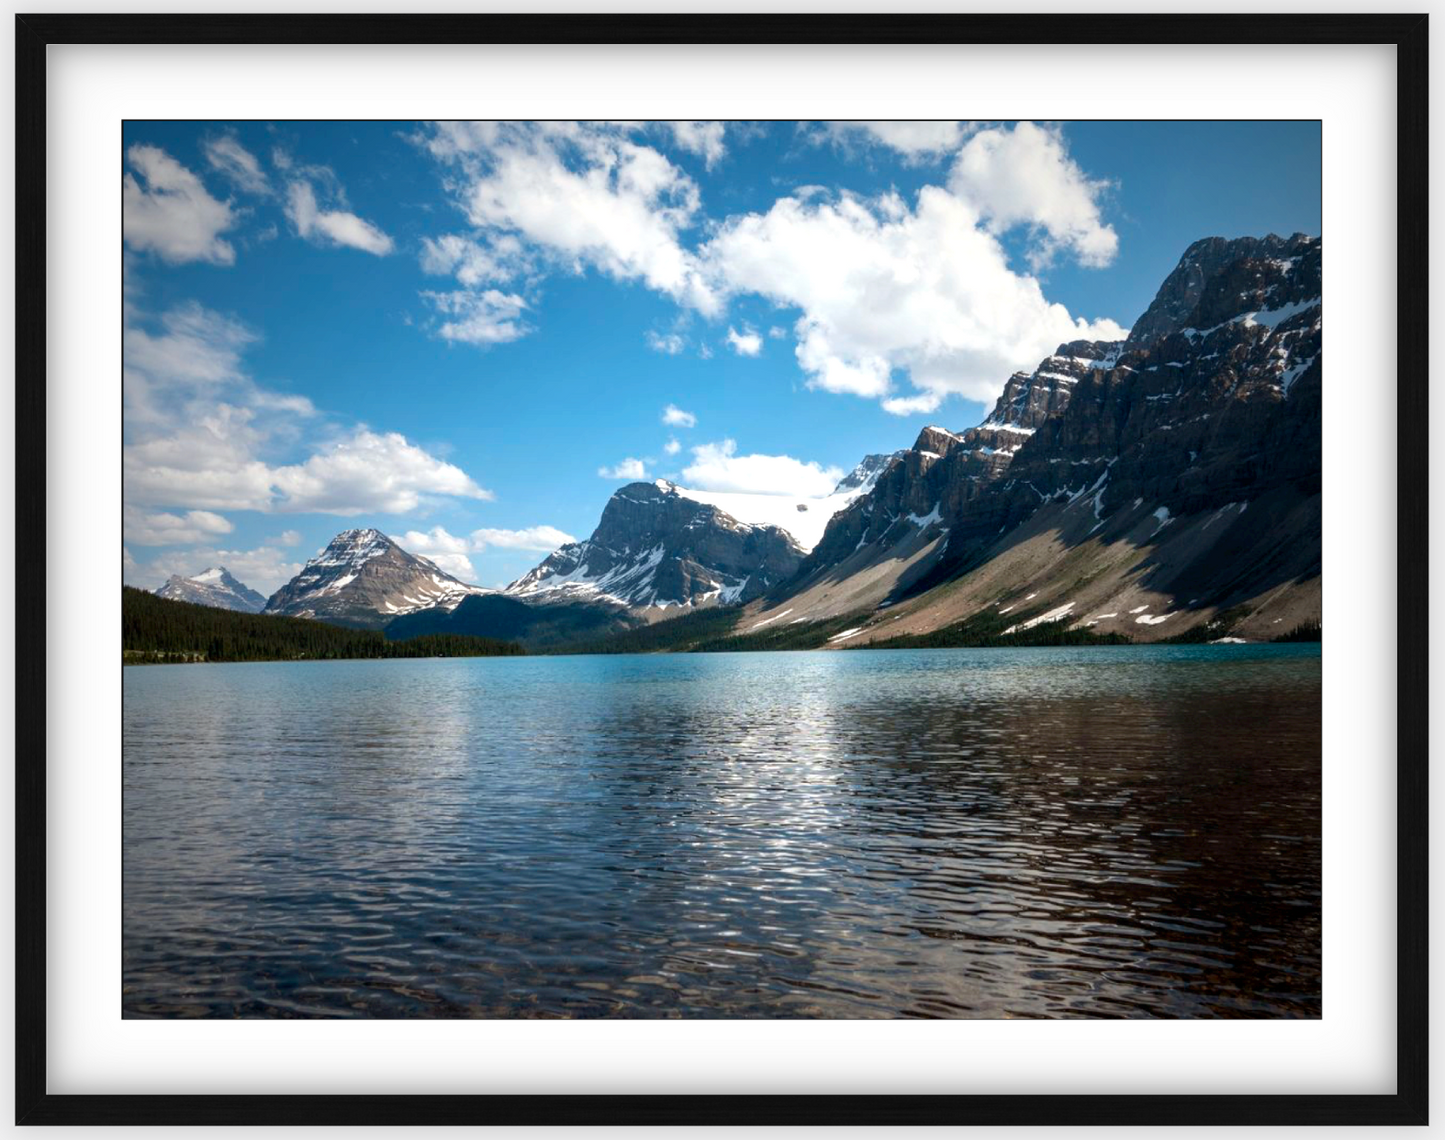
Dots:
pixel 214 587
pixel 364 578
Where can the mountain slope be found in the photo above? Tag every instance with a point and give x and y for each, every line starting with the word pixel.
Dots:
pixel 535 625
pixel 364 579
pixel 1139 487
pixel 213 586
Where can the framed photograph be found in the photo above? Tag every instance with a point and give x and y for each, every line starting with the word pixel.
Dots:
pixel 666 581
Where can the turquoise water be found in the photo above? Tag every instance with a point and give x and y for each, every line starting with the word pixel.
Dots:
pixel 1128 831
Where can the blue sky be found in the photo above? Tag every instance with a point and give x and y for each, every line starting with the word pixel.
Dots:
pixel 468 335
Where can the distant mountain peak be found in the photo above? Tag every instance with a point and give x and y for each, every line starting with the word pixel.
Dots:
pixel 353 547
pixel 363 578
pixel 861 478
pixel 655 547
pixel 213 586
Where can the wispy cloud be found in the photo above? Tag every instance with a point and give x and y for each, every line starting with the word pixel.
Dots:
pixel 164 529
pixel 674 416
pixel 670 343
pixel 230 158
pixel 479 317
pixel 332 226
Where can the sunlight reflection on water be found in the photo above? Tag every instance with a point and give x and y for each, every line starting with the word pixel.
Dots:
pixel 958 833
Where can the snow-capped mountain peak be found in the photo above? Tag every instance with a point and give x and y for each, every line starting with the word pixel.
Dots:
pixel 363 578
pixel 658 545
pixel 861 479
pixel 213 586
pixel 353 548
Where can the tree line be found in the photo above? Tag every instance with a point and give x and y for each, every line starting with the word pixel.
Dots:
pixel 163 631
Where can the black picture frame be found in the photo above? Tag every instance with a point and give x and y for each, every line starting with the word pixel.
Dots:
pixel 33 1105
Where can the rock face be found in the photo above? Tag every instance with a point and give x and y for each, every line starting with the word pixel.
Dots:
pixel 655 548
pixel 364 579
pixel 213 587
pixel 1212 402
pixel 1268 268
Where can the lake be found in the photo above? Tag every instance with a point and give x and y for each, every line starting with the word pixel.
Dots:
pixel 1091 832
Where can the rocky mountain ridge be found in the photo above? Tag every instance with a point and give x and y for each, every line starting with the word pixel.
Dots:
pixel 364 579
pixel 654 547
pixel 1212 404
pixel 216 587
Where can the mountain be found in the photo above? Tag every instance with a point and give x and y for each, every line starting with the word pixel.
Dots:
pixel 656 547
pixel 1143 487
pixel 215 587
pixel 660 545
pixel 364 579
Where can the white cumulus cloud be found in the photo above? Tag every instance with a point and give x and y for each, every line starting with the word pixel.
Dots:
pixel 746 343
pixel 718 467
pixel 457 565
pixel 671 447
pixel 165 208
pixel 201 436
pixel 885 289
pixel 1025 177
pixel 676 417
pixel 702 137
pixel 906 301
pixel 369 471
pixel 585 194
pixel 629 468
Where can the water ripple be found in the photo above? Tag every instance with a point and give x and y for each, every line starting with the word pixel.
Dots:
pixel 1036 833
